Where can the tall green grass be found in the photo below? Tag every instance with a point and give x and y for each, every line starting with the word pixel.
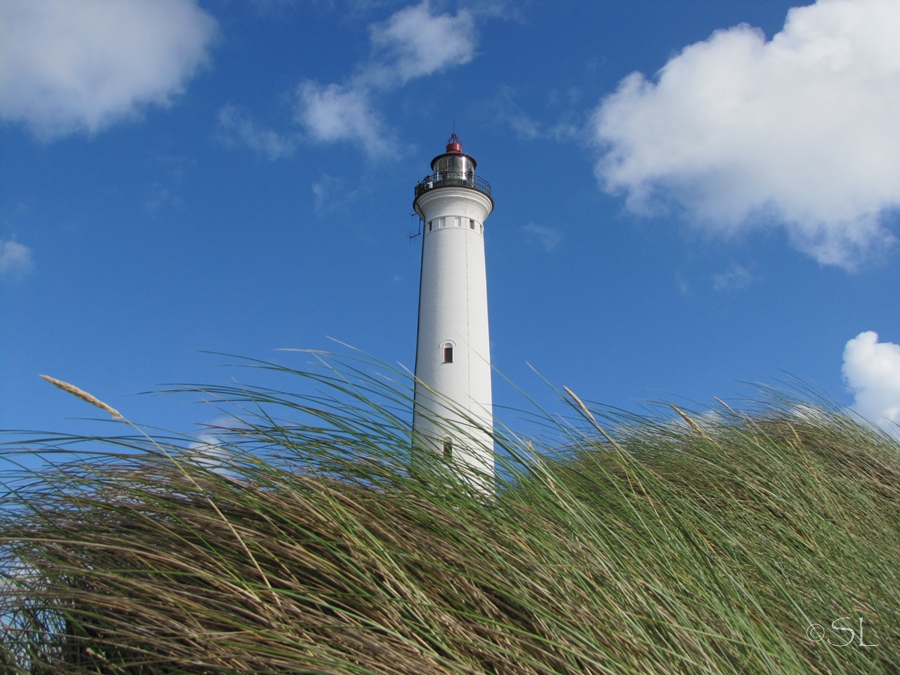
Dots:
pixel 303 543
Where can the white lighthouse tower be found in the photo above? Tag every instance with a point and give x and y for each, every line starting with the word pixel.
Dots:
pixel 453 402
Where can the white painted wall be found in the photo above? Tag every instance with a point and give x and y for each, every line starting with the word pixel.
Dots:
pixel 454 399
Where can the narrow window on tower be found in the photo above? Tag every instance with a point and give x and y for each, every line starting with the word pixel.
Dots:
pixel 429 226
pixel 448 448
pixel 448 353
pixel 471 224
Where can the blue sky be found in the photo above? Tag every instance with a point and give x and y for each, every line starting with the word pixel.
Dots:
pixel 690 194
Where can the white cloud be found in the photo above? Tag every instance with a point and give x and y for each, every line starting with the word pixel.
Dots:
pixel 734 278
pixel 15 260
pixel 210 452
pixel 207 451
pixel 800 131
pixel 414 42
pixel 236 127
pixel 872 371
pixel 548 237
pixel 80 65
pixel 335 113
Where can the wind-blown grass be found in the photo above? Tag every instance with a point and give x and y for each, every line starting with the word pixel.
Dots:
pixel 303 543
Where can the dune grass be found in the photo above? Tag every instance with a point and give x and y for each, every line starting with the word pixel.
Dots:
pixel 301 542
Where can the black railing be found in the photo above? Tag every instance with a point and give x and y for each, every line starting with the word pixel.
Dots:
pixel 453 179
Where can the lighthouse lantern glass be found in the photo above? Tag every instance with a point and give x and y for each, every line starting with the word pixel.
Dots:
pixel 454 167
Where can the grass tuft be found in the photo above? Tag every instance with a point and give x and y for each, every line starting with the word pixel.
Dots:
pixel 302 541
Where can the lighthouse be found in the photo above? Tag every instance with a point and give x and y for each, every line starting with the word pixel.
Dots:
pixel 453 413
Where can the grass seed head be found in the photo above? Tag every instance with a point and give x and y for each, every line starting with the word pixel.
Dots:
pixel 83 395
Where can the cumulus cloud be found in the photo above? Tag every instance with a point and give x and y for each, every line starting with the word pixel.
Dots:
pixel 208 452
pixel 413 42
pixel 235 126
pixel 15 260
pixel 80 65
pixel 872 371
pixel 211 452
pixel 335 113
pixel 799 131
